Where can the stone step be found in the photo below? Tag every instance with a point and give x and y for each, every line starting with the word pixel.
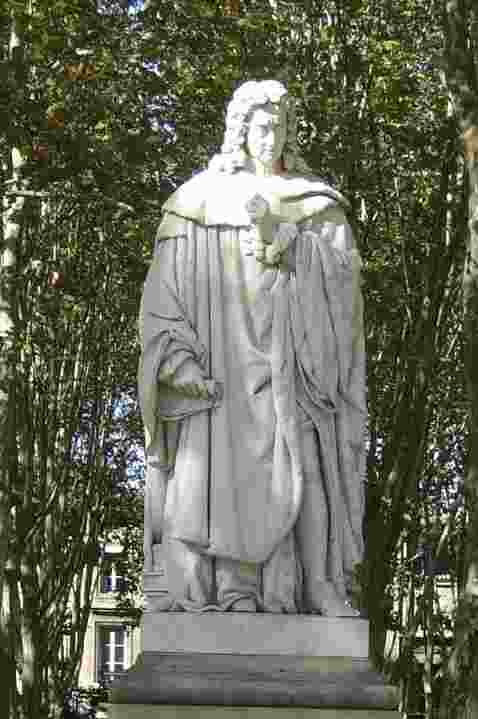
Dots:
pixel 242 680
pixel 139 711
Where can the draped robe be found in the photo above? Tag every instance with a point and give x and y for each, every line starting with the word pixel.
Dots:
pixel 287 345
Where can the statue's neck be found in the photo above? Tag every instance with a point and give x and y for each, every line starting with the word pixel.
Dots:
pixel 260 170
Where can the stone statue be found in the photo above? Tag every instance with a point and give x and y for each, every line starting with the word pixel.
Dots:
pixel 251 379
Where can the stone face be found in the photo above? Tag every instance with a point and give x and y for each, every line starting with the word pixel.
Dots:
pixel 255 634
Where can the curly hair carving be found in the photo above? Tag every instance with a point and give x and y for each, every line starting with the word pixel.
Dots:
pixel 249 97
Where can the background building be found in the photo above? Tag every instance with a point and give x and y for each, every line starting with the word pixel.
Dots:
pixel 112 641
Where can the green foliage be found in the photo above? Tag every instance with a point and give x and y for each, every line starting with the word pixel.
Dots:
pixel 80 258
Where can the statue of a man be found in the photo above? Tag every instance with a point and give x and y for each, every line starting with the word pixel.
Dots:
pixel 252 379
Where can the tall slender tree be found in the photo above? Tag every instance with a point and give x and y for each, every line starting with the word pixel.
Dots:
pixel 461 55
pixel 14 199
pixel 69 293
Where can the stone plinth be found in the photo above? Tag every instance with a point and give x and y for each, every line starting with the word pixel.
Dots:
pixel 144 711
pixel 248 680
pixel 255 634
pixel 250 665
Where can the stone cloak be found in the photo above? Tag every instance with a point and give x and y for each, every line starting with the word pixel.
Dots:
pixel 288 348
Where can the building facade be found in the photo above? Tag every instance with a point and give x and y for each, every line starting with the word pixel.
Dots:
pixel 112 641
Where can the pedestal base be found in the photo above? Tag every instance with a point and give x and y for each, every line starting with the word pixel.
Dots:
pixel 253 681
pixel 252 666
pixel 143 711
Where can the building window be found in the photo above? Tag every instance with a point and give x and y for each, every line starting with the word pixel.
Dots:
pixel 429 564
pixel 112 652
pixel 111 581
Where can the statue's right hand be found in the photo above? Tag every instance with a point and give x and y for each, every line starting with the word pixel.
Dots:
pixel 190 380
pixel 204 389
pixel 260 251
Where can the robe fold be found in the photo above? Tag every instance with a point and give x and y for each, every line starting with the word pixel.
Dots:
pixel 287 345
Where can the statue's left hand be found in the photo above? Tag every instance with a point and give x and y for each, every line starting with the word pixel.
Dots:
pixel 273 254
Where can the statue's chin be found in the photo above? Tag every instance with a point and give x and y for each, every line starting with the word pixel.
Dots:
pixel 264 168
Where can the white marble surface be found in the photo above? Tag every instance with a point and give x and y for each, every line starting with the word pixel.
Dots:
pixel 252 378
pixel 237 633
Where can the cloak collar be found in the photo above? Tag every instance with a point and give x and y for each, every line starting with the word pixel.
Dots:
pixel 214 198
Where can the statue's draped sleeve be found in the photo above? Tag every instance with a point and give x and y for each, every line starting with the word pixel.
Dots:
pixel 327 321
pixel 173 358
pixel 174 334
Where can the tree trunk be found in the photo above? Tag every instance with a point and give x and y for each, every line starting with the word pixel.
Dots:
pixel 470 311
pixel 462 77
pixel 13 205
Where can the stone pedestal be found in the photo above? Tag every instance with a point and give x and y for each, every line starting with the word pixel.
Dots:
pixel 235 633
pixel 139 711
pixel 238 666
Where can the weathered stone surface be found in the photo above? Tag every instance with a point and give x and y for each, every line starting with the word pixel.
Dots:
pixel 252 390
pixel 142 711
pixel 252 381
pixel 236 633
pixel 231 680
